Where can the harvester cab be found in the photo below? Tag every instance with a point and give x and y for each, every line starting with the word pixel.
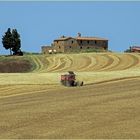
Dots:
pixel 69 80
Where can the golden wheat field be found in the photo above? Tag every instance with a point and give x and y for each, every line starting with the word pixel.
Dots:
pixel 35 105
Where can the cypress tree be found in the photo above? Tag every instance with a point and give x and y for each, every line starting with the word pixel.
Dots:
pixel 11 40
pixel 7 40
pixel 16 43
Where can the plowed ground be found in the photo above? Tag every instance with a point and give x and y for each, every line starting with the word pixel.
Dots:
pixel 34 105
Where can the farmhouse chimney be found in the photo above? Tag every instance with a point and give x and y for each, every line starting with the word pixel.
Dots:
pixel 62 36
pixel 79 34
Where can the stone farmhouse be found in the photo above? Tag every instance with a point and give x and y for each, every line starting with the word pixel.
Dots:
pixel 75 44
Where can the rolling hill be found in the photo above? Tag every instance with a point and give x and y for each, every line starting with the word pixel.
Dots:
pixel 86 62
pixel 35 105
pixel 89 67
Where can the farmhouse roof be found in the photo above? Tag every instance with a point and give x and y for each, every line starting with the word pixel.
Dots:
pixel 80 38
pixel 62 38
pixel 90 38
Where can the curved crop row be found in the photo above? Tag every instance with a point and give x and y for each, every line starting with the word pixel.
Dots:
pixel 39 66
pixel 86 62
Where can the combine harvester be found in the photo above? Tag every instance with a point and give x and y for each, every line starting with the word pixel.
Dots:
pixel 69 80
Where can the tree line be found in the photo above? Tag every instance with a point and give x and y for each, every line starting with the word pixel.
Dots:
pixel 11 40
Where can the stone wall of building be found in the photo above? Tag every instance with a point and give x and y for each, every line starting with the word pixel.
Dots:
pixel 47 49
pixel 59 46
pixel 86 44
pixel 71 45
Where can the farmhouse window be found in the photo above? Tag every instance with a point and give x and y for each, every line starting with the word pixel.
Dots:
pixel 95 42
pixel 105 43
pixel 88 42
pixel 105 47
pixel 81 41
pixel 72 42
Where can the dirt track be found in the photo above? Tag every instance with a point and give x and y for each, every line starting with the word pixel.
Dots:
pixel 107 110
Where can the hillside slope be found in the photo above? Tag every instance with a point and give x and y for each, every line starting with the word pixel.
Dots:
pixel 86 62
pixel 89 67
pixel 35 105
pixel 14 64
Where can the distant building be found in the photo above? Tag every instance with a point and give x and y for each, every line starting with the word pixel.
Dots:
pixel 74 44
pixel 135 49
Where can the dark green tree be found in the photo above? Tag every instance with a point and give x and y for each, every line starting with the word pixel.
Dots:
pixel 16 44
pixel 11 40
pixel 7 40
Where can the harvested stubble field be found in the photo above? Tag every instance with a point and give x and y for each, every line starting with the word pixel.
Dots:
pixel 35 105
